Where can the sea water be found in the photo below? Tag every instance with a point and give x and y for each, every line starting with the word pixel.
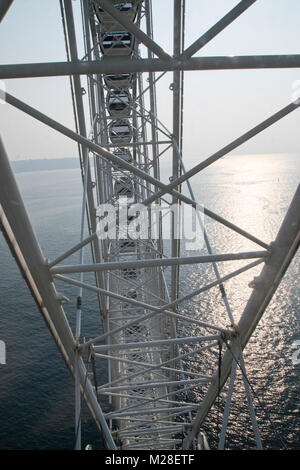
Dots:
pixel 36 390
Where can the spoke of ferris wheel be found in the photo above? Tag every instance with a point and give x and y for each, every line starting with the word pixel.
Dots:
pixel 141 285
pixel 210 34
pixel 140 421
pixel 165 410
pixel 160 402
pixel 150 263
pixel 135 422
pixel 148 368
pixel 157 368
pixel 167 189
pixel 152 400
pixel 128 65
pixel 156 310
pixel 146 365
pixel 172 428
pixel 157 400
pixel 155 384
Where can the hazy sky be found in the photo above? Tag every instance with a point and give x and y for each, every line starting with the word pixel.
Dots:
pixel 219 105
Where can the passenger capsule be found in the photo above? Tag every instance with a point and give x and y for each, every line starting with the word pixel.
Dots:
pixel 125 155
pixel 121 80
pixel 116 43
pixel 118 103
pixel 120 132
pixel 128 9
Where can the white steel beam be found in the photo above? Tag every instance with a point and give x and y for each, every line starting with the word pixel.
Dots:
pixel 151 411
pixel 155 310
pixel 159 342
pixel 131 65
pixel 67 269
pixel 145 385
pixel 177 89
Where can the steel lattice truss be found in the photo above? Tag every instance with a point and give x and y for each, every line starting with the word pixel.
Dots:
pixel 150 383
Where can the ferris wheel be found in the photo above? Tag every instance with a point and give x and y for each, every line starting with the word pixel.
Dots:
pixel 145 224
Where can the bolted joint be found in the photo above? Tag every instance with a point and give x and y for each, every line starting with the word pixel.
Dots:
pixel 231 334
pixel 62 298
pixel 271 250
pixel 84 348
pixel 255 282
pixel 77 347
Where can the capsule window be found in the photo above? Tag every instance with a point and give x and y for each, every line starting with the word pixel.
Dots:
pixel 116 43
pixel 127 8
pixel 118 102
pixel 120 132
pixel 122 80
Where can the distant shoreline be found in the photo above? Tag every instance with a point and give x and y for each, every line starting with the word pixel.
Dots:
pixel 22 166
pixel 53 164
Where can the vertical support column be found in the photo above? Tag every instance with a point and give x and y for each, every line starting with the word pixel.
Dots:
pixel 153 110
pixel 81 120
pixel 283 250
pixel 90 199
pixel 176 170
pixel 177 131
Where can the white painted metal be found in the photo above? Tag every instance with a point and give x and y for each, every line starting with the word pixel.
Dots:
pixel 149 377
